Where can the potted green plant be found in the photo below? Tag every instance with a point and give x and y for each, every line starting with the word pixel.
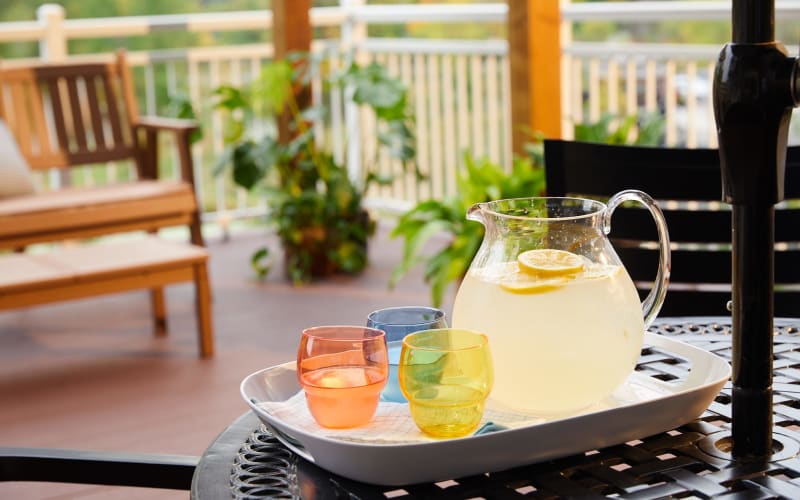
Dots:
pixel 315 205
pixel 482 180
pixel 646 129
pixel 479 181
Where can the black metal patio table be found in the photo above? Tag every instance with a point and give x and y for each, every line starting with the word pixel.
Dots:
pixel 692 461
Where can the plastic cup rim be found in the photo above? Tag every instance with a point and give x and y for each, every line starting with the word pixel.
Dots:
pixel 438 315
pixel 310 333
pixel 483 342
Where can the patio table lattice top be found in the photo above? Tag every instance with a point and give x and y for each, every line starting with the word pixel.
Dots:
pixel 690 461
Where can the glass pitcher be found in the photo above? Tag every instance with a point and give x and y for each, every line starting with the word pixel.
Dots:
pixel 562 315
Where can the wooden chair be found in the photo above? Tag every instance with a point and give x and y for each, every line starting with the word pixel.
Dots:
pixel 73 114
pixel 687 183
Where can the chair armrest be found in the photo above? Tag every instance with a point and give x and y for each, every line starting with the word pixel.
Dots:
pixel 146 130
pixel 148 155
pixel 97 467
pixel 159 123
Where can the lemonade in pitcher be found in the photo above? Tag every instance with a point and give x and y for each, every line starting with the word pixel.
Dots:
pixel 563 318
pixel 582 329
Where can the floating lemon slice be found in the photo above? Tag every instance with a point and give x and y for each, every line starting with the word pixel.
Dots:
pixel 598 271
pixel 521 282
pixel 550 262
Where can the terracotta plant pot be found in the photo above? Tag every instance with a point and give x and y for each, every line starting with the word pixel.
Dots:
pixel 314 256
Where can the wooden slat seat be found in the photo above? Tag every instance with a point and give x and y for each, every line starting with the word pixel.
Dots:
pixel 82 212
pixel 90 270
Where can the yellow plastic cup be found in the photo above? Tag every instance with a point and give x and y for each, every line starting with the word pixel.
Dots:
pixel 446 375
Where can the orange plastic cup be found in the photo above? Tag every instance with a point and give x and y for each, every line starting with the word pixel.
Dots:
pixel 342 370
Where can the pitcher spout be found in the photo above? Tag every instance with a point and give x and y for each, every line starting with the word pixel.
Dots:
pixel 475 213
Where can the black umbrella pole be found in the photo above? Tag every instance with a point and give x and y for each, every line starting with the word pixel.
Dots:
pixel 755 88
pixel 753 21
pixel 753 272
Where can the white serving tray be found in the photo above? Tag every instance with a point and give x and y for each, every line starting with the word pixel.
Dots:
pixel 641 407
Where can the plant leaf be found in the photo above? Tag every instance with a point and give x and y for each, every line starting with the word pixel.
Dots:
pixel 260 262
pixel 222 161
pixel 246 169
pixel 273 89
pixel 374 87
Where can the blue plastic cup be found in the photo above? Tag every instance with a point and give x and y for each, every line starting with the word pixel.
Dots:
pixel 398 322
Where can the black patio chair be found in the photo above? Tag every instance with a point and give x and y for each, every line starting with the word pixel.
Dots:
pixel 687 183
pixel 97 467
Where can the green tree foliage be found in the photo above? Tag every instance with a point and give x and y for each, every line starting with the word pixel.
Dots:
pixel 25 10
pixel 681 31
pixel 663 32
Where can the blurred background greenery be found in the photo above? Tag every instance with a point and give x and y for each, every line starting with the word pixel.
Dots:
pixel 25 10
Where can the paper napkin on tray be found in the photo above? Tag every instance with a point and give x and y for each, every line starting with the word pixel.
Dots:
pixel 392 423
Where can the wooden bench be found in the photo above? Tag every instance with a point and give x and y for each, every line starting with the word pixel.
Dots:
pixel 73 114
pixel 69 115
pixel 90 270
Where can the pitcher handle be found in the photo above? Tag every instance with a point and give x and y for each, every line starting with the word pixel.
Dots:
pixel 655 299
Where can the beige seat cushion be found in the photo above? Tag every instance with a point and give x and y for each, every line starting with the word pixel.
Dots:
pixel 61 210
pixel 15 176
pixel 85 263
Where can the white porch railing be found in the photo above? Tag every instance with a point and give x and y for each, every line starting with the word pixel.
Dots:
pixel 673 80
pixel 459 87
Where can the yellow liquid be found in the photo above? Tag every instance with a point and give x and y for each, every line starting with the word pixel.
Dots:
pixel 447 411
pixel 558 349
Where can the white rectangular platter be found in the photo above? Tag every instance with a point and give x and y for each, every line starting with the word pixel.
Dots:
pixel 642 406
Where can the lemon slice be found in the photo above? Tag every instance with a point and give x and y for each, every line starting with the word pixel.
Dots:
pixel 598 271
pixel 550 262
pixel 525 283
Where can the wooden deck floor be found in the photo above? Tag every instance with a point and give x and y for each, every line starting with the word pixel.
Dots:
pixel 90 375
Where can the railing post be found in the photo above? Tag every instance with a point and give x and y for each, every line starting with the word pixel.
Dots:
pixel 53 47
pixel 567 79
pixel 534 54
pixel 353 32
